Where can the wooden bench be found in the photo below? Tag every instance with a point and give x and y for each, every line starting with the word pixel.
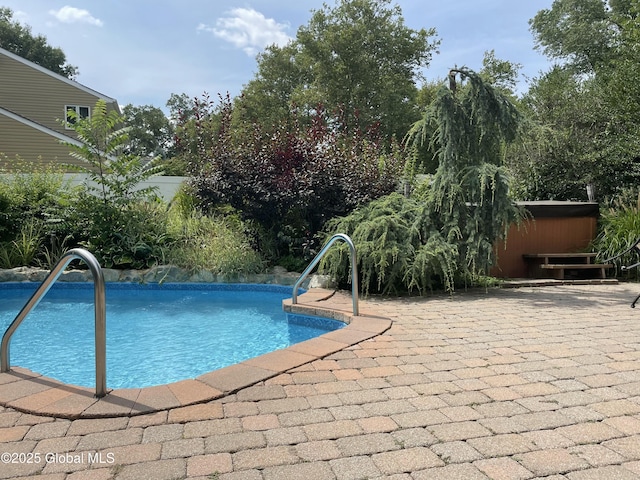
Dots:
pixel 565 265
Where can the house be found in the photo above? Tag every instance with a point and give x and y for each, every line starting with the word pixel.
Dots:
pixel 33 101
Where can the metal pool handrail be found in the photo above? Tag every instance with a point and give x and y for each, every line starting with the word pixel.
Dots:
pixel 100 313
pixel 318 257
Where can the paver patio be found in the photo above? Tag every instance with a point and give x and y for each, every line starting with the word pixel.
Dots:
pixel 521 383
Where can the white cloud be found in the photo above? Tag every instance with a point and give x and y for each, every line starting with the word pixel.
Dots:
pixel 20 16
pixel 249 30
pixel 69 14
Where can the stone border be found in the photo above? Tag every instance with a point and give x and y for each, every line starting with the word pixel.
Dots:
pixel 32 393
pixel 167 274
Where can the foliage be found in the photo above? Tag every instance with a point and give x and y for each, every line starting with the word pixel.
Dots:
pixel 123 225
pixel 176 166
pixel 180 108
pixel 358 56
pixel 574 138
pixel 581 32
pixel 116 217
pixel 582 115
pixel 24 249
pixel 383 232
pixel 447 233
pixel 618 230
pixel 292 179
pixel 151 134
pixel 469 193
pixel 48 217
pixel 122 236
pixel 501 74
pixel 117 174
pixel 217 244
pixel 32 193
pixel 198 127
pixel 624 91
pixel 19 40
pixel 268 97
pixel 33 208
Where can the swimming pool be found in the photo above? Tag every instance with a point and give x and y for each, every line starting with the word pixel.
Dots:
pixel 156 334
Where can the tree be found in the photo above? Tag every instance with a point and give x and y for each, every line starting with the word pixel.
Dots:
pixel 18 39
pixel 103 143
pixel 180 108
pixel 583 114
pixel 423 157
pixel 468 199
pixel 446 232
pixel 111 217
pixel 291 180
pixel 580 32
pixel 358 58
pixel 621 77
pixel 151 134
pixel 268 98
pixel 501 74
pixel 553 160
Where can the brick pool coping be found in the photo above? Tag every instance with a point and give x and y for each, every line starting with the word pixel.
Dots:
pixel 29 392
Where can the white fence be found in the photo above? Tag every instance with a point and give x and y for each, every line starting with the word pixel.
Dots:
pixel 167 185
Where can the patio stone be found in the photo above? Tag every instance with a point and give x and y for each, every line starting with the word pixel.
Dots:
pixel 549 462
pixel 406 460
pixel 503 469
pixel 494 384
pixel 456 452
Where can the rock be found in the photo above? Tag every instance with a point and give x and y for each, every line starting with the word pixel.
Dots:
pixel 320 281
pixel 202 276
pixel 110 275
pixel 76 276
pixel 278 270
pixel 133 276
pixel 167 274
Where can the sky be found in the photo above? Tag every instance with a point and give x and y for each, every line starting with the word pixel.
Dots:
pixel 142 51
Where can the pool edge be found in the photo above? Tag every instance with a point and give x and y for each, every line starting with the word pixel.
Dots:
pixel 29 392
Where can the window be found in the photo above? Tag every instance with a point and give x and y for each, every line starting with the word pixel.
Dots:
pixel 78 113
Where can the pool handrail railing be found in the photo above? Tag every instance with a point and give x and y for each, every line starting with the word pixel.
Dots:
pixel 354 269
pixel 99 307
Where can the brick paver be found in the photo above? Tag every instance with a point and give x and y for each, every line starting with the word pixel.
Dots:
pixel 502 384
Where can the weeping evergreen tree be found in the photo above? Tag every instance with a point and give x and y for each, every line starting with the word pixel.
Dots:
pixel 447 231
pixel 468 202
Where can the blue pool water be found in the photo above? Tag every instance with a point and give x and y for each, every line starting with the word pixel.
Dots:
pixel 156 334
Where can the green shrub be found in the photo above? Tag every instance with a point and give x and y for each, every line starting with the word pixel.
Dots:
pixel 289 178
pixel 446 233
pixel 618 229
pixel 121 236
pixel 41 216
pixel 34 205
pixel 31 193
pixel 398 248
pixel 122 224
pixel 184 200
pixel 9 210
pixel 24 249
pixel 216 244
pixel 382 233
